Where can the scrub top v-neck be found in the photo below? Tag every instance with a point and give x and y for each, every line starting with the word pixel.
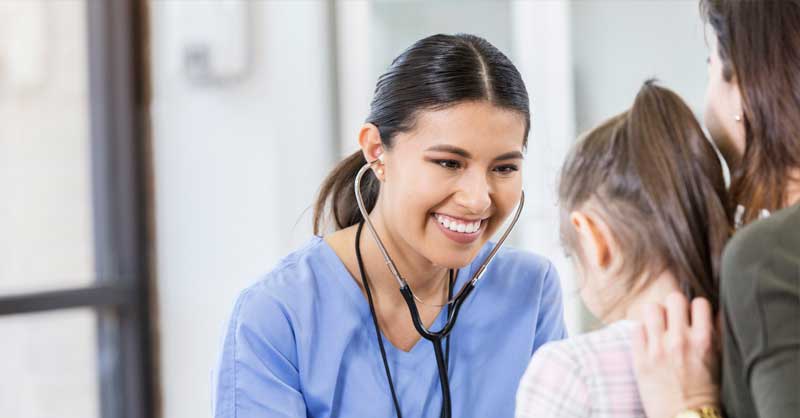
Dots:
pixel 300 343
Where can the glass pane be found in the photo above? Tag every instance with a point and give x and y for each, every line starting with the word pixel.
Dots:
pixel 49 365
pixel 45 189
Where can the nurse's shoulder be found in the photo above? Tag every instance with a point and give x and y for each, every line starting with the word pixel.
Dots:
pixel 517 267
pixel 528 287
pixel 261 352
pixel 296 281
pixel 277 313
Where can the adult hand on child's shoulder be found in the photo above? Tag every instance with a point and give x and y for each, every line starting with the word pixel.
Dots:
pixel 676 357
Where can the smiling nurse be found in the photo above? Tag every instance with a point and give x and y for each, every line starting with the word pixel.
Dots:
pixel 328 333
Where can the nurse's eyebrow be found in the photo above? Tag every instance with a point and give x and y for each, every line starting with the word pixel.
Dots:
pixel 513 155
pixel 451 149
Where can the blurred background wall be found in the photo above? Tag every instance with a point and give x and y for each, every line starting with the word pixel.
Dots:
pixel 48 361
pixel 252 103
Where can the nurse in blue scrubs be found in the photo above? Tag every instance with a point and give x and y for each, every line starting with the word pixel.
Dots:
pixel 323 335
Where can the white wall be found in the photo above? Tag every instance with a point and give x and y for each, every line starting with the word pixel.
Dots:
pixel 235 165
pixel 542 52
pixel 617 44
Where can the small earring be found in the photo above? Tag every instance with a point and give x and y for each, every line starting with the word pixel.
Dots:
pixel 737 118
pixel 380 171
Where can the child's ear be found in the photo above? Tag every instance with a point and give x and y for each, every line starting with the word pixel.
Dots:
pixel 595 239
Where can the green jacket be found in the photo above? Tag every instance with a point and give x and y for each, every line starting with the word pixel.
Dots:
pixel 760 300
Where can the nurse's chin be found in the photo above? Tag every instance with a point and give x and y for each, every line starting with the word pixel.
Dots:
pixel 452 259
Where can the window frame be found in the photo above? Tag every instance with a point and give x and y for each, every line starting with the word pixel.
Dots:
pixel 121 178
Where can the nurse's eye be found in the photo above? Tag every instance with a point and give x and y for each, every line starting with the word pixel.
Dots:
pixel 449 164
pixel 506 169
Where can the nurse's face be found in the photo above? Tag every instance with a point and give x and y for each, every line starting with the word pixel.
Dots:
pixel 723 106
pixel 451 181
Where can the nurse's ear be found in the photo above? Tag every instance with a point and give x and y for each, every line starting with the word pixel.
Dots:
pixel 369 138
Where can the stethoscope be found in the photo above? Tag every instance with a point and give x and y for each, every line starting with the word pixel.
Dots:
pixel 456 302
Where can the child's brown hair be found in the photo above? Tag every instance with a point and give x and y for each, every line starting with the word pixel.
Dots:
pixel 656 181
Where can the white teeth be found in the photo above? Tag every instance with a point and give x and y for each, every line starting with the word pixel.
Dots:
pixel 456 226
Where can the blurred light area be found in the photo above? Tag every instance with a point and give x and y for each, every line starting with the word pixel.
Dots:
pixel 49 365
pixel 45 211
pixel 49 361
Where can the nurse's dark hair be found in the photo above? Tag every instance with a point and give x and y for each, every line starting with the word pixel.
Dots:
pixel 652 176
pixel 434 73
pixel 758 43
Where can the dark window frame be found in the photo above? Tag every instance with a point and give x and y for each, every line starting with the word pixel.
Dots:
pixel 122 296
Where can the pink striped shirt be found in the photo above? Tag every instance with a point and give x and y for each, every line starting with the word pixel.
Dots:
pixel 589 375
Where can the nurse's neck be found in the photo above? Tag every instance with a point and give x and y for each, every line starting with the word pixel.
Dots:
pixel 427 280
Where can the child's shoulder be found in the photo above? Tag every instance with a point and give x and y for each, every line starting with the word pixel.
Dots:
pixel 586 375
pixel 608 345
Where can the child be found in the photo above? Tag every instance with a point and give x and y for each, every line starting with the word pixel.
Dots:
pixel 645 211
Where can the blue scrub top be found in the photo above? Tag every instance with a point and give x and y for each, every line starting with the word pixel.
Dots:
pixel 301 343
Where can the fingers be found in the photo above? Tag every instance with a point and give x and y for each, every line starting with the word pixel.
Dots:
pixel 674 328
pixel 702 318
pixel 702 321
pixel 639 345
pixel 677 313
pixel 655 325
pixel 677 334
pixel 675 369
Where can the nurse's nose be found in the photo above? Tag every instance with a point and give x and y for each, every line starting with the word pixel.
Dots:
pixel 473 193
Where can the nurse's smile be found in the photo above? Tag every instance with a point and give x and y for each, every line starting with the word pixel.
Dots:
pixel 460 230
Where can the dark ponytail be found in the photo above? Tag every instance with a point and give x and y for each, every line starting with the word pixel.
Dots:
pixel 435 73
pixel 655 179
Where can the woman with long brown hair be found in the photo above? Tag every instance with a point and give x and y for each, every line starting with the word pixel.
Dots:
pixel 753 114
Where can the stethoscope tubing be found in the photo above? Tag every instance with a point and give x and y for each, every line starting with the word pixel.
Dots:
pixel 388 259
pixel 457 302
